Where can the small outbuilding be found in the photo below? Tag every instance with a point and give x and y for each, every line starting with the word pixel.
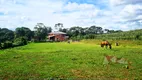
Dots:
pixel 57 36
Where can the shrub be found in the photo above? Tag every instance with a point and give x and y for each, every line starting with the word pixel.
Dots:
pixel 6 44
pixel 20 41
pixel 0 45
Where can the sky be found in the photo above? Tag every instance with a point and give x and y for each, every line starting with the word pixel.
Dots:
pixel 109 14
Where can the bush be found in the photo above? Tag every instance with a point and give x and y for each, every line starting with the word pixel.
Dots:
pixel 0 45
pixel 6 44
pixel 20 41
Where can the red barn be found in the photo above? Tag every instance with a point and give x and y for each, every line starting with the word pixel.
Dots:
pixel 57 36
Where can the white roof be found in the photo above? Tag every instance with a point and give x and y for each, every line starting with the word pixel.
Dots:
pixel 57 33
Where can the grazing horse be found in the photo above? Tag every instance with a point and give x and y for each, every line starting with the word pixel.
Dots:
pixel 106 43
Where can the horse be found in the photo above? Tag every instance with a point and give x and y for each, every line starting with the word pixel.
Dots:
pixel 106 43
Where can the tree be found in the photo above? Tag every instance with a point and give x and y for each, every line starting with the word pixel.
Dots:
pixel 92 30
pixel 6 35
pixel 58 26
pixel 99 30
pixel 24 32
pixel 95 30
pixel 118 31
pixel 41 31
pixel 64 30
pixel 76 32
pixel 86 30
pixel 107 30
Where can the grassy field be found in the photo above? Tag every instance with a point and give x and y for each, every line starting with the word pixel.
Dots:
pixel 78 60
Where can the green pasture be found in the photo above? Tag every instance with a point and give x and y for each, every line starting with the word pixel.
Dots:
pixel 77 60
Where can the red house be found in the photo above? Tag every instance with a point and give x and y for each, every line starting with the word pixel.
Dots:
pixel 57 36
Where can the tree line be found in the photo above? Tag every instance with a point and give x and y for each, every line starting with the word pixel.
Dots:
pixel 126 35
pixel 77 33
pixel 22 35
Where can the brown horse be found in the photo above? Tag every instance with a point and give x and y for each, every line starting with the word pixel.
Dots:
pixel 106 43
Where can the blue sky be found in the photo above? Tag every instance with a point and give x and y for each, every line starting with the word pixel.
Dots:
pixel 109 14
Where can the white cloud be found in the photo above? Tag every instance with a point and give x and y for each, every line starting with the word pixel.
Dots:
pixel 124 2
pixel 36 11
pixel 29 12
pixel 126 14
pixel 131 10
pixel 78 7
pixel 116 2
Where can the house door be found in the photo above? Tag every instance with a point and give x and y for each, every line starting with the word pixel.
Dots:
pixel 52 38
